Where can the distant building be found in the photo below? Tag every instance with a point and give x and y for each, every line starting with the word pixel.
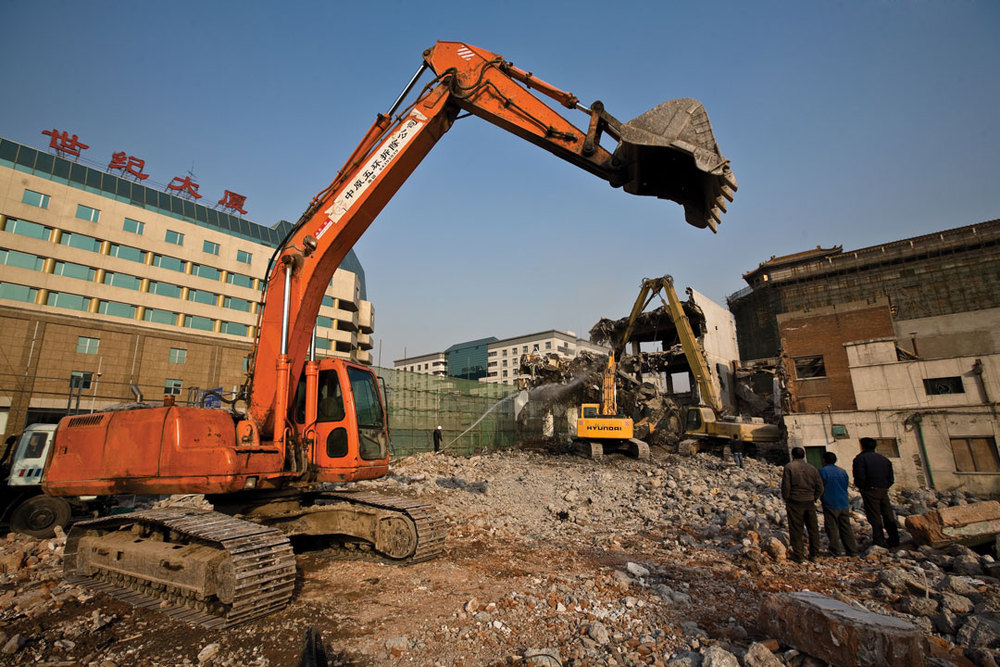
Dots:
pixel 496 361
pixel 106 283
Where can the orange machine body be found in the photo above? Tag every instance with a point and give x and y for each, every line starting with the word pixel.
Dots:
pixel 199 450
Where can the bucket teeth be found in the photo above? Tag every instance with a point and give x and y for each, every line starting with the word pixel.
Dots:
pixel 670 152
pixel 720 203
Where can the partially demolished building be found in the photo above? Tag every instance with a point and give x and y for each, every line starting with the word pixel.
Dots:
pixel 899 342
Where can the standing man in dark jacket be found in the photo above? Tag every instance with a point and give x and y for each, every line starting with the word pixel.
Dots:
pixel 437 439
pixel 801 487
pixel 836 508
pixel 873 477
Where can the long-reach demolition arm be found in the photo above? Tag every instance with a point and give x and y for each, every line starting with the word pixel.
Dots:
pixel 669 152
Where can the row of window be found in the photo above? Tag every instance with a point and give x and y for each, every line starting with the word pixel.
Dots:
pixel 89 214
pixel 85 380
pixel 813 366
pixel 88 345
pixel 524 349
pixel 126 281
pixel 130 253
pixel 77 302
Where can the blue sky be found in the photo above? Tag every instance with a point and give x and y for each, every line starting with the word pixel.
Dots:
pixel 847 123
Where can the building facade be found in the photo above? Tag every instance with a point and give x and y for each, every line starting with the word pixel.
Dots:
pixel 952 271
pixel 106 284
pixel 496 361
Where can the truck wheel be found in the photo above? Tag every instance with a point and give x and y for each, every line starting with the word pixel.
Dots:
pixel 38 516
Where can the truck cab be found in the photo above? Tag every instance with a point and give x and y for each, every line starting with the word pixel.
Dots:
pixel 25 508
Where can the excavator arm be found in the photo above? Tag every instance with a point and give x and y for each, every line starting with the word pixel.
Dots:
pixel 668 152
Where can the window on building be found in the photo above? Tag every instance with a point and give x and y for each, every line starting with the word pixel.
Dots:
pixel 234 329
pixel 949 385
pixel 122 280
pixel 503 353
pixel 165 262
pixel 87 213
pixel 165 289
pixel 172 387
pixel 18 292
pixel 32 198
pixel 178 355
pixel 85 345
pixel 535 348
pixel 116 309
pixel 809 367
pixel 199 323
pixel 887 447
pixel 524 350
pixel 203 271
pixel 504 363
pixel 328 302
pixel 241 304
pixel 210 247
pixel 68 301
pixel 21 260
pixel 324 321
pixel 127 252
pixel 239 280
pixel 323 344
pixel 80 379
pixel 72 270
pixel 174 237
pixel 975 454
pixel 548 345
pixel 30 229
pixel 159 316
pixel 201 296
pixel 243 256
pixel 134 226
pixel 81 241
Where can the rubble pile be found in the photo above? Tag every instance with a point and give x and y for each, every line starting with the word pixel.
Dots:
pixel 550 560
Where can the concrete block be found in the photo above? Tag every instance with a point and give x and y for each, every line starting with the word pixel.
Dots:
pixel 977 523
pixel 841 634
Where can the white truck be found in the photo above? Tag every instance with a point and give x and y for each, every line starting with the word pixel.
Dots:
pixel 25 509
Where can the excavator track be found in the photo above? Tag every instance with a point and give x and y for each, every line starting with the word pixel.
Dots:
pixel 248 570
pixel 429 526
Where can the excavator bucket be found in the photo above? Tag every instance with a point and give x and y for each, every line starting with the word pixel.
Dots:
pixel 670 152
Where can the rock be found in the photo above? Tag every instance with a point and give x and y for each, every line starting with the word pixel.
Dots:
pixel 919 606
pixel 208 653
pixel 758 655
pixel 979 632
pixel 973 524
pixel 958 604
pixel 599 633
pixel 716 656
pixel 397 645
pixel 686 659
pixel 11 561
pixel 14 644
pixel 842 634
pixel 542 657
pixel 775 549
pixel 945 622
pixel 636 570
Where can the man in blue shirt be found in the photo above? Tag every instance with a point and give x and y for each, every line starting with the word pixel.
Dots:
pixel 836 509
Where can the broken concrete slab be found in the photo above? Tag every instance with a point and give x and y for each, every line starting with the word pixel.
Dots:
pixel 842 634
pixel 976 523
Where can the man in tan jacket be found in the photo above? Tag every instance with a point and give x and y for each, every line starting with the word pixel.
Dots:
pixel 801 487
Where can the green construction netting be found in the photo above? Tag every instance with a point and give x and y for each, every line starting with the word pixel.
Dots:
pixel 474 416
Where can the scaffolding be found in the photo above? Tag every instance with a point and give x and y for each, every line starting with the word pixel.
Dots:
pixel 474 416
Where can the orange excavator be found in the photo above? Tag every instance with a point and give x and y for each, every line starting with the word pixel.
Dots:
pixel 310 422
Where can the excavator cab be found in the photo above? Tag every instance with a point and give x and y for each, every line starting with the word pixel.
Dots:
pixel 670 152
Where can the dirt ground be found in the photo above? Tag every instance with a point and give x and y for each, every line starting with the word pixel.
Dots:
pixel 611 562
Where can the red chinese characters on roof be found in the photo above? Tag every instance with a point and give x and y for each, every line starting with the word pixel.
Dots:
pixel 184 185
pixel 128 163
pixel 233 201
pixel 64 143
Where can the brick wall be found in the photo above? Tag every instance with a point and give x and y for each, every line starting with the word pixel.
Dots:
pixel 824 332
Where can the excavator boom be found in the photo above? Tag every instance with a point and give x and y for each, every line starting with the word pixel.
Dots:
pixel 669 152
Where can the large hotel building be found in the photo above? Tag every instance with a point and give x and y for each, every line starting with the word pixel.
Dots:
pixel 110 289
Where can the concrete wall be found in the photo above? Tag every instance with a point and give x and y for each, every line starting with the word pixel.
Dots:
pixel 720 347
pixel 937 429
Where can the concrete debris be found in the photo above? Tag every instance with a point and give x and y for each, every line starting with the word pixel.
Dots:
pixel 970 525
pixel 556 562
